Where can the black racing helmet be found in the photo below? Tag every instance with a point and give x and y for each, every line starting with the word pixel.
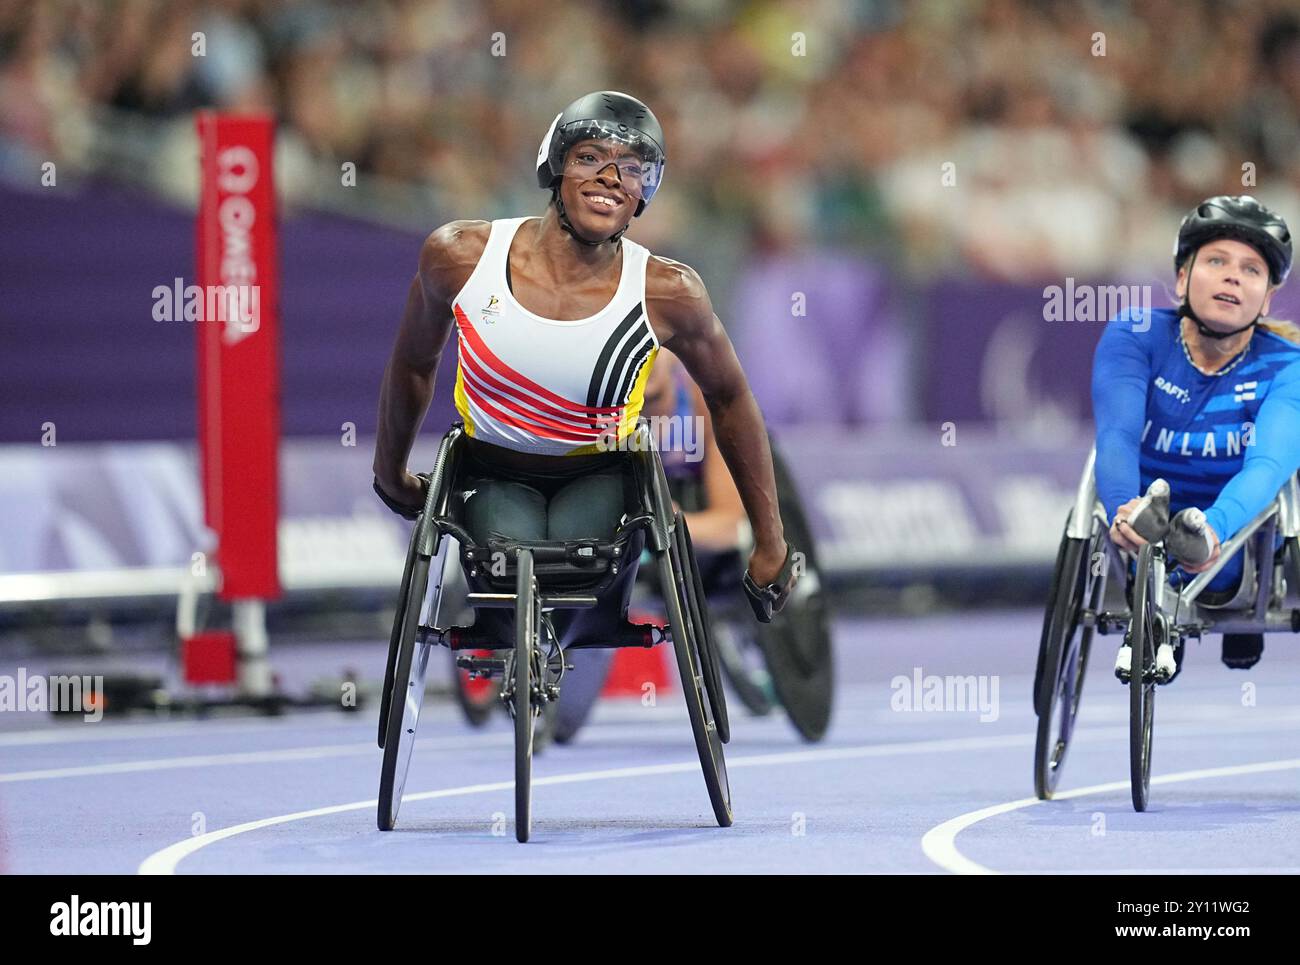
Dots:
pixel 1242 218
pixel 607 115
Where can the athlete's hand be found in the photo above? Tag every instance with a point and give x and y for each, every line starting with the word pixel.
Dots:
pixel 1213 556
pixel 1123 535
pixel 771 577
pixel 405 497
pixel 765 563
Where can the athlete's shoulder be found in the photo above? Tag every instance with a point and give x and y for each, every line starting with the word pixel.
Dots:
pixel 675 283
pixel 457 239
pixel 1281 338
pixel 450 253
pixel 676 298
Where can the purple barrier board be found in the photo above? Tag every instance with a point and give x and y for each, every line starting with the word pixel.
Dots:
pixel 877 501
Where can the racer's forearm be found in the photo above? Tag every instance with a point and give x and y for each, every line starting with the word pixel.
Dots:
pixel 1120 372
pixel 404 398
pixel 407 388
pixel 742 440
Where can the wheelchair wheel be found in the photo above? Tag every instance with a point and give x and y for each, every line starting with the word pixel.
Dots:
pixel 394 638
pixel 1063 657
pixel 1143 630
pixel 699 616
pixel 743 666
pixel 677 583
pixel 527 625
pixel 797 643
pixel 402 703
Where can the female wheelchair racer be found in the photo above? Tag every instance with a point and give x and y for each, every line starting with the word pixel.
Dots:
pixel 1169 422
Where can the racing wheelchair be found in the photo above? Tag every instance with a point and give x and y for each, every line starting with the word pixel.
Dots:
pixel 533 578
pixel 783 665
pixel 1149 613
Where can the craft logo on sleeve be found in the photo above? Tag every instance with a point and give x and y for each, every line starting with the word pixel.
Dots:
pixel 102 918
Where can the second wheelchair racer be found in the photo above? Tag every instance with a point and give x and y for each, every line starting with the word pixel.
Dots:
pixel 1205 396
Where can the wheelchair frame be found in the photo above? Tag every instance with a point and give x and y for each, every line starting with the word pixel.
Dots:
pixel 533 665
pixel 1151 618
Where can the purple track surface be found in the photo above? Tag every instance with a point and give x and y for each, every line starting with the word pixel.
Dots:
pixel 887 791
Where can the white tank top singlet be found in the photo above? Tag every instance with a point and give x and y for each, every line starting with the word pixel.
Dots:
pixel 545 386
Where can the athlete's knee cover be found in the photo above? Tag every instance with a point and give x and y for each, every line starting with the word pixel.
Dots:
pixel 589 507
pixel 502 508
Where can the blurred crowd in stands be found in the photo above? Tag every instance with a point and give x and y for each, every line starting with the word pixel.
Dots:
pixel 1018 138
pixel 873 144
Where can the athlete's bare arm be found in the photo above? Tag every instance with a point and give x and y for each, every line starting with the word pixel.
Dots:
pixel 682 316
pixel 447 259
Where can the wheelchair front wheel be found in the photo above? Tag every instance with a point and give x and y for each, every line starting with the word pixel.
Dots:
pixel 1143 630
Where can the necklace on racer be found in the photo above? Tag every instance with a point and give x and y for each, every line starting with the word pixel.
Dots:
pixel 1182 340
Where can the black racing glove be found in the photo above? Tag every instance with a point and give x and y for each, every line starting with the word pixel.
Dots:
pixel 767 601
pixel 401 509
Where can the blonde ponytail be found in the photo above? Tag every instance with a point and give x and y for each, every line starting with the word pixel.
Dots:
pixel 1281 328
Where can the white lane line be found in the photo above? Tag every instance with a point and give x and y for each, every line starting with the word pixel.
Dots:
pixel 940 842
pixel 164 862
pixel 76 733
pixel 315 752
pixel 86 732
pixel 239 757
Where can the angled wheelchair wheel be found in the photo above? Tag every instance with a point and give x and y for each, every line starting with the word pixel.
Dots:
pixel 675 578
pixel 1063 656
pixel 402 707
pixel 523 680
pixel 797 643
pixel 1058 569
pixel 1144 629
pixel 743 665
pixel 698 614
pixel 394 638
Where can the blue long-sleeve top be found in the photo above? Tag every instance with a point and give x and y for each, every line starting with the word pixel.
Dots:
pixel 1227 441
